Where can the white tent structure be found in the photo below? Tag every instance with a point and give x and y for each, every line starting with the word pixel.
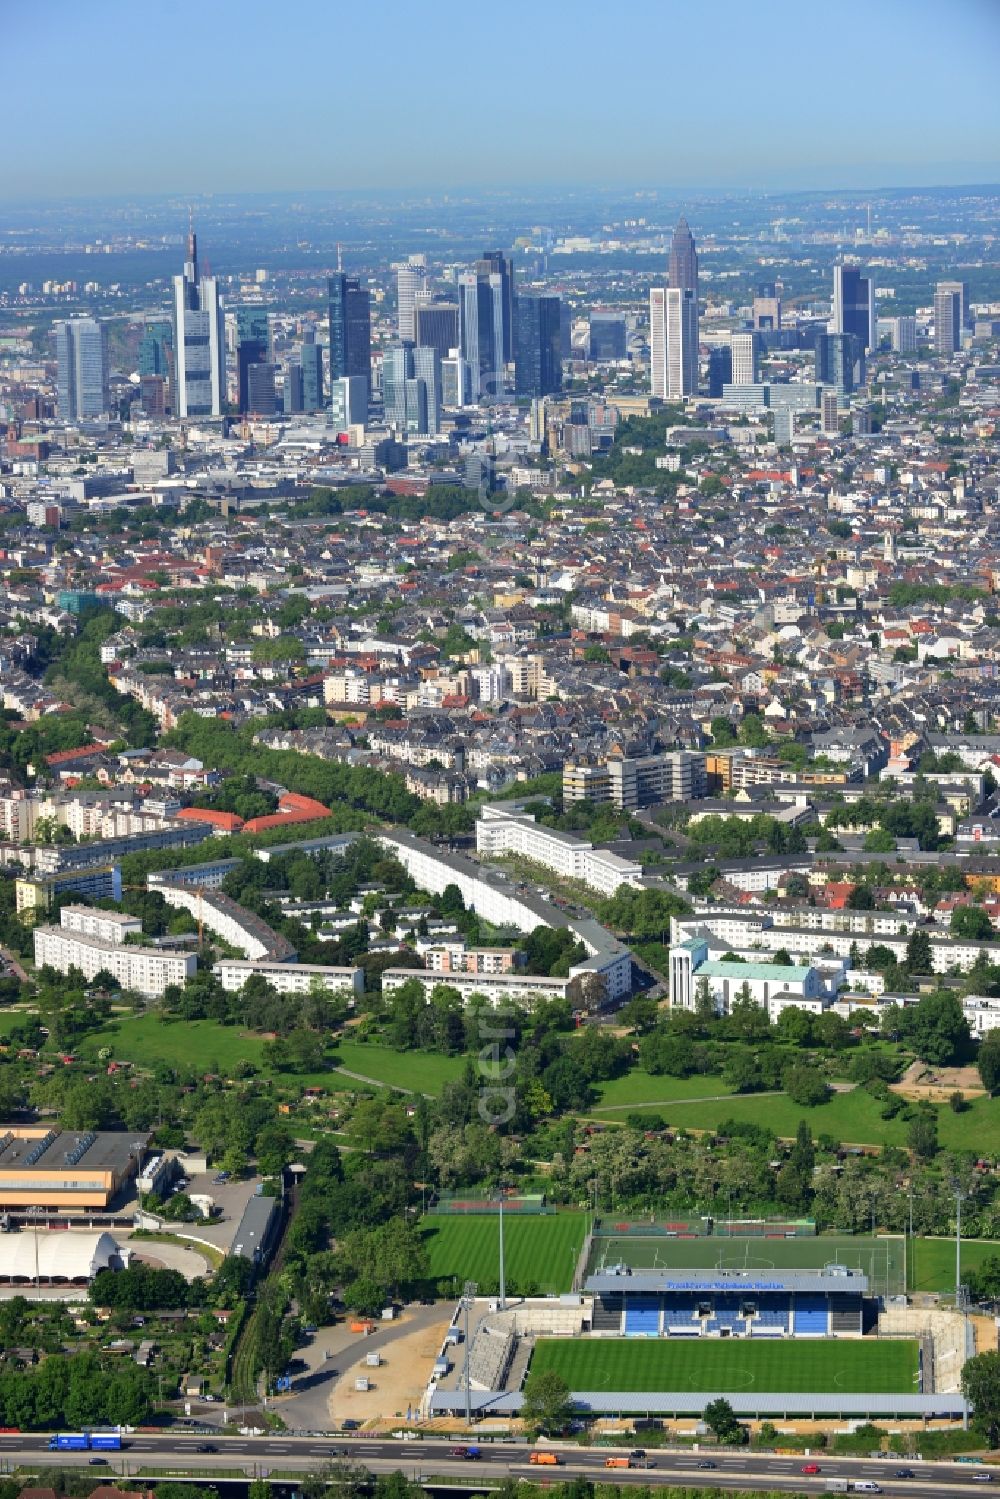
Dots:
pixel 57 1257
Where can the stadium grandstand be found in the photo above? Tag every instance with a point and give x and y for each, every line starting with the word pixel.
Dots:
pixel 729 1303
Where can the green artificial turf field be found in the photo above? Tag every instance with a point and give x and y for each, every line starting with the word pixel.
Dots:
pixel 880 1259
pixel 732 1365
pixel 539 1252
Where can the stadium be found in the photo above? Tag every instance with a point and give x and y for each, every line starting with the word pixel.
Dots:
pixel 665 1316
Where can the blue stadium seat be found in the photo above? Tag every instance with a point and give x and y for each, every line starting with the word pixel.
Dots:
pixel 811 1315
pixel 642 1316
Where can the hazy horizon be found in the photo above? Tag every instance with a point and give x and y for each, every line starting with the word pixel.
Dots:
pixel 189 99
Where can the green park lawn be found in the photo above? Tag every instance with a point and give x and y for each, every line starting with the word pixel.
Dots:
pixel 730 1366
pixel 539 1252
pixel 853 1117
pixel 147 1040
pixel 638 1089
pixel 208 1046
pixel 419 1071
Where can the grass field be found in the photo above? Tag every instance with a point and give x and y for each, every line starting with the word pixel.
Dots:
pixel 853 1117
pixel 932 1261
pixel 210 1047
pixel 420 1071
pixel 203 1044
pixel 539 1252
pixel 880 1259
pixel 732 1366
pixel 639 1090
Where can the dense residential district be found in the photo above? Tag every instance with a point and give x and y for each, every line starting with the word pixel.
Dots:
pixel 500 843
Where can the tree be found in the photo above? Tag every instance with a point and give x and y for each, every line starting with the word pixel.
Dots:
pixel 981 1387
pixel 988 1061
pixel 937 1029
pixel 547 1403
pixel 984 1281
pixel 806 1085
pixel 972 923
pixel 919 958
pixel 720 1418
pixel 922 1135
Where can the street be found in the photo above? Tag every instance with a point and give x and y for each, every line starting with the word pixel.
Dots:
pixel 175 1455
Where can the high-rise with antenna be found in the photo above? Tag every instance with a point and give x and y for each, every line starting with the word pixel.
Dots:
pixel 199 342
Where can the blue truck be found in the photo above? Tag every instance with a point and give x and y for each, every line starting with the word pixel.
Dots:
pixel 86 1441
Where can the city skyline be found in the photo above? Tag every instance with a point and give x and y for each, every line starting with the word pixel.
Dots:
pixel 339 144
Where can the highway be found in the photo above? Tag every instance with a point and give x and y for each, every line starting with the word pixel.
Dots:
pixel 174 1454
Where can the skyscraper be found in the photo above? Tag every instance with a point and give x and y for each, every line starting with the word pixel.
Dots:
pixel 411 282
pixel 480 330
pixel 903 334
pixel 82 378
pixel 746 358
pixel 767 307
pixel 682 269
pixel 397 366
pixel 840 361
pixel 496 263
pixel 720 369
pixel 155 349
pixel 436 326
pixel 673 343
pixel 682 313
pixel 427 368
pixel 537 346
pixel 253 346
pixel 350 329
pixel 312 373
pixel 292 401
pixel 199 342
pixel 411 388
pixel 950 299
pixel 608 336
pixel 262 397
pixel 854 305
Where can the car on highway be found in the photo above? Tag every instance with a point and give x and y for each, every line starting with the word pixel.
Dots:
pixel 98 1462
pixel 707 1463
pixel 904 1473
pixel 638 1452
pixel 810 1468
pixel 206 1447
pixel 470 1454
pixel 982 1478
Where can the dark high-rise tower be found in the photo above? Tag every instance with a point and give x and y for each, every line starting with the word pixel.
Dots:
pixel 253 347
pixel 682 270
pixel 537 344
pixel 350 329
pixel 854 305
pixel 496 263
pixel 312 374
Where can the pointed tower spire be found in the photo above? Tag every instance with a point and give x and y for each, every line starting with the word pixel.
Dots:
pixel 192 246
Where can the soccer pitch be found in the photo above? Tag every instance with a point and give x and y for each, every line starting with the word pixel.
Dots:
pixel 880 1259
pixel 540 1253
pixel 731 1366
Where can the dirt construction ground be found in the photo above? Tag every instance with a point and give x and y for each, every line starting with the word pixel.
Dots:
pixel 397 1384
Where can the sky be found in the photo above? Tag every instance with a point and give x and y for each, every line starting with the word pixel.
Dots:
pixel 121 97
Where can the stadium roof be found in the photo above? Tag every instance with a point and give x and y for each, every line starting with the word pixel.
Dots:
pixel 64 1255
pixel 667 1402
pixel 638 1282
